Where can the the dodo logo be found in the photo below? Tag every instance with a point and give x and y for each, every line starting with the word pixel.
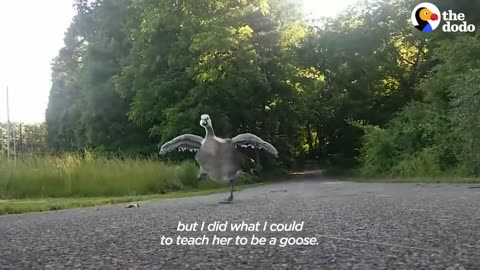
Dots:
pixel 426 17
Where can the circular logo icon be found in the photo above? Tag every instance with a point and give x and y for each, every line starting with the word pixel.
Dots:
pixel 426 17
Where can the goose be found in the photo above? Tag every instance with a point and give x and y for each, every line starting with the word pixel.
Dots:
pixel 218 158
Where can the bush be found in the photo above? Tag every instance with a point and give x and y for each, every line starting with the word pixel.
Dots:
pixel 377 152
pixel 424 164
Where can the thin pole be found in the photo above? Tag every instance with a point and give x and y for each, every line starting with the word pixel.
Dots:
pixel 21 140
pixel 8 128
pixel 14 142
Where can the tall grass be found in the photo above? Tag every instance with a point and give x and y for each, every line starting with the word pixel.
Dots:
pixel 88 176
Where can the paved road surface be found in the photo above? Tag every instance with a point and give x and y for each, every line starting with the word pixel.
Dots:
pixel 358 226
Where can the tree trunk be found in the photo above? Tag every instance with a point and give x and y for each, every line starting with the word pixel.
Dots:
pixel 309 140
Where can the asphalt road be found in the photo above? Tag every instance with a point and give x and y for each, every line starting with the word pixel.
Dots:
pixel 357 226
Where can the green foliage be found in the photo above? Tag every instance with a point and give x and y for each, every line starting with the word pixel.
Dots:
pixel 422 164
pixel 377 153
pixel 367 61
pixel 465 103
pixel 84 110
pixel 137 73
pixel 151 65
pixel 437 136
pixel 187 174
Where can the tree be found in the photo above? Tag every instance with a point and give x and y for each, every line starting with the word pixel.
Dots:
pixel 136 73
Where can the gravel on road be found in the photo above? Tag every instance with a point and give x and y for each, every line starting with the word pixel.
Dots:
pixel 356 226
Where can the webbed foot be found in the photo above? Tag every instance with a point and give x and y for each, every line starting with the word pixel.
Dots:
pixel 227 200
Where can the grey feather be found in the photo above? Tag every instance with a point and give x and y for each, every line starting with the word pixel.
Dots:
pixel 186 142
pixel 248 140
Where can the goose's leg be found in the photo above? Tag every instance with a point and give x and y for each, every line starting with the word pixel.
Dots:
pixel 201 176
pixel 229 199
pixel 231 191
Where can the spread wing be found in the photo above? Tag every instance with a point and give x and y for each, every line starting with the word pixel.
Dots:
pixel 186 142
pixel 253 141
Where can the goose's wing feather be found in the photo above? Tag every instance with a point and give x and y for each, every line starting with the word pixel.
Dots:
pixel 247 140
pixel 186 142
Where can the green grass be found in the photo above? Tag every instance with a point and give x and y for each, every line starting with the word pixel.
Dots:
pixel 449 180
pixel 76 176
pixel 354 175
pixel 52 183
pixel 71 175
pixel 14 206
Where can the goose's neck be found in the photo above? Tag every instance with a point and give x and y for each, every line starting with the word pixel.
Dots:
pixel 209 132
